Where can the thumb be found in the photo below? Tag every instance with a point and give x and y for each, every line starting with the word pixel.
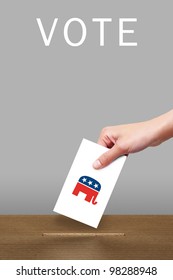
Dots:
pixel 106 158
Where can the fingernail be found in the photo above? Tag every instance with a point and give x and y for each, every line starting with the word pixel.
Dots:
pixel 97 164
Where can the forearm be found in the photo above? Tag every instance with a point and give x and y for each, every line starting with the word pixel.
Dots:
pixel 163 127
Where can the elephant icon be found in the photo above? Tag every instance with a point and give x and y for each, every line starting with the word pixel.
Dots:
pixel 89 186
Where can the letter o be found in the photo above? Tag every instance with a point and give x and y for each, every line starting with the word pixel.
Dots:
pixel 84 32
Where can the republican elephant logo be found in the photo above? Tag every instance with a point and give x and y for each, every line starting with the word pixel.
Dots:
pixel 89 186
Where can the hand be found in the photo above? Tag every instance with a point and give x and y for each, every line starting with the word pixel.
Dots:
pixel 125 139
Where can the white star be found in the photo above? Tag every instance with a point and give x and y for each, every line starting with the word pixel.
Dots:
pixel 84 179
pixel 96 186
pixel 90 183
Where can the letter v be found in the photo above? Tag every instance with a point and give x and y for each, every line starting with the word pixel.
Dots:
pixel 45 39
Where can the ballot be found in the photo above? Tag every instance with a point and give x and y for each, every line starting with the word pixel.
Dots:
pixel 86 191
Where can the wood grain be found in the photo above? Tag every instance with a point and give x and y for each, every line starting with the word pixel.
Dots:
pixel 146 237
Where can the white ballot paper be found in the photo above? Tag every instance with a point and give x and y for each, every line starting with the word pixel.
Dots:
pixel 86 191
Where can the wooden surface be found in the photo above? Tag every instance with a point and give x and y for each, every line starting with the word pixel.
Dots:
pixel 146 237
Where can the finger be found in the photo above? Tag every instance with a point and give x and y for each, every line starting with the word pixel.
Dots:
pixel 106 141
pixel 106 158
pixel 101 142
pixel 103 138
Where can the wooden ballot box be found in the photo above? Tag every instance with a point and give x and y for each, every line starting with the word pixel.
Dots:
pixel 55 237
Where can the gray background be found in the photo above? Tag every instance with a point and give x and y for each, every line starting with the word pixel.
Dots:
pixel 50 98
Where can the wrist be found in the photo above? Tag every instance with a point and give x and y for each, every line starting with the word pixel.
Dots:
pixel 162 128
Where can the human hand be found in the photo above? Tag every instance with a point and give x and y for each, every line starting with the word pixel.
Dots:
pixel 126 139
